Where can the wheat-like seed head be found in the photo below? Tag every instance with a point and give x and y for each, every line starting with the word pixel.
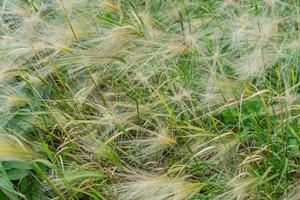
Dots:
pixel 155 187
pixel 13 149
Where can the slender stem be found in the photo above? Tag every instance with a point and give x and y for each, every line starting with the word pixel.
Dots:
pixel 68 18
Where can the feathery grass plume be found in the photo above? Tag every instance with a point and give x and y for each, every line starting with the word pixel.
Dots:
pixel 247 30
pixel 240 29
pixel 13 149
pixel 74 179
pixel 7 70
pixel 151 31
pixel 119 114
pixel 98 149
pixel 21 15
pixel 111 5
pixel 149 186
pixel 266 32
pixel 140 77
pixel 19 46
pixel 155 142
pixel 218 89
pixel 176 48
pixel 217 149
pixel 256 156
pixel 82 95
pixel 182 94
pixel 243 186
pixel 12 97
pixel 119 36
pixel 255 63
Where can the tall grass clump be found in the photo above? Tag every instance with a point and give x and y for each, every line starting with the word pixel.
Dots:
pixel 150 99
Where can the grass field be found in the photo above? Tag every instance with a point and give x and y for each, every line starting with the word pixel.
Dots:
pixel 150 99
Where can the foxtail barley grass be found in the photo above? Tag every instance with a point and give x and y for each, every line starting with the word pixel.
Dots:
pixel 150 99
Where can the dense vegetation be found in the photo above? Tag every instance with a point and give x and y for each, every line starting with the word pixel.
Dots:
pixel 150 99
